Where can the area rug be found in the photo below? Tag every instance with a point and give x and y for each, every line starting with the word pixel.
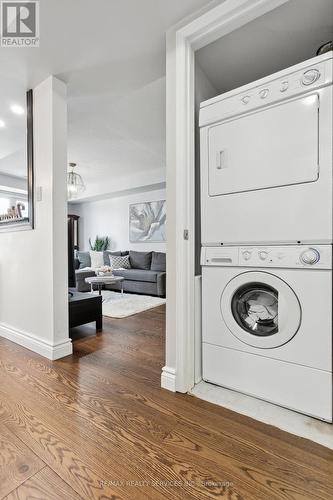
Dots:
pixel 117 306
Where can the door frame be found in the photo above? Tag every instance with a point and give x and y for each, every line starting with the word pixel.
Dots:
pixel 182 42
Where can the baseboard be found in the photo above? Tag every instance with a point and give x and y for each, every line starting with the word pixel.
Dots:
pixel 33 343
pixel 168 379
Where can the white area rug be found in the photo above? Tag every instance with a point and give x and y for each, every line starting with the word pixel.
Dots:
pixel 117 306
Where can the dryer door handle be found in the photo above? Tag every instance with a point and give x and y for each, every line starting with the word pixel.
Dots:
pixel 221 159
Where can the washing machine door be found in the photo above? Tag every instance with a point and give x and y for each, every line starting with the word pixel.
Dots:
pixel 260 309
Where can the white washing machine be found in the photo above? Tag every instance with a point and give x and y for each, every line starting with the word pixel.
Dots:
pixel 266 159
pixel 267 324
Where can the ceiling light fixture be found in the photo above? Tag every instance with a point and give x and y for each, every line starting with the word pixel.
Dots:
pixel 75 184
pixel 2 124
pixel 18 110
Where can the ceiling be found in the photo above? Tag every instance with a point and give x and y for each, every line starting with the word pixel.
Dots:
pixel 111 53
pixel 285 36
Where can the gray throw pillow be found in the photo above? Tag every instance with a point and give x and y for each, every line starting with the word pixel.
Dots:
pixel 158 262
pixel 119 262
pixel 84 259
pixel 140 260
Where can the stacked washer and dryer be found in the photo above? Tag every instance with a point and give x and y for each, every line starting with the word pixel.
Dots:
pixel 267 234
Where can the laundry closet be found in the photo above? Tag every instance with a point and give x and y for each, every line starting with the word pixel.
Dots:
pixel 264 208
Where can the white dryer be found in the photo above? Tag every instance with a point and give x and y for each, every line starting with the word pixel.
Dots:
pixel 267 324
pixel 266 159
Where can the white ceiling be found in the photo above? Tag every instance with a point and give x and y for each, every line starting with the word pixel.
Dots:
pixel 112 55
pixel 285 36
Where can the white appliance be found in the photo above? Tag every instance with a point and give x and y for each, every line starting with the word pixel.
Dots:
pixel 267 324
pixel 266 159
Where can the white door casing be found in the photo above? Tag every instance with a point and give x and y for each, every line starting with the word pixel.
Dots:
pixel 178 374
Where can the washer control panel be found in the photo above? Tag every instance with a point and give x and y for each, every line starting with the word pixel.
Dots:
pixel 294 257
pixel 303 256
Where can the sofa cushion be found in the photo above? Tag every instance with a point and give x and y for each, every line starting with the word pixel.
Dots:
pixel 82 274
pixel 158 261
pixel 140 260
pixel 137 275
pixel 120 262
pixel 108 255
pixel 84 259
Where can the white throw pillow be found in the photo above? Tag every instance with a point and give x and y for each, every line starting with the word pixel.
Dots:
pixel 97 259
pixel 120 262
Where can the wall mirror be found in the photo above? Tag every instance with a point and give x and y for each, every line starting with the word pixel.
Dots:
pixel 16 157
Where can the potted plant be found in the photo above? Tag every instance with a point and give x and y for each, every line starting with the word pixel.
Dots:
pixel 100 244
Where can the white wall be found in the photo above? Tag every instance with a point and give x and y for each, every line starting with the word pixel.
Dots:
pixel 33 264
pixel 110 217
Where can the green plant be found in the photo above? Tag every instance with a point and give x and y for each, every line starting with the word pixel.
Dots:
pixel 100 243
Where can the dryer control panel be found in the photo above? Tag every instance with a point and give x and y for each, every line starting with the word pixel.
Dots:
pixel 293 257
pixel 301 78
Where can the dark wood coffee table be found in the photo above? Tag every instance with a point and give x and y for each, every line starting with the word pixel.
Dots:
pixel 85 308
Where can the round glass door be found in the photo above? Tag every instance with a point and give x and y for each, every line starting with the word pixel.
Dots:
pixel 260 309
pixel 255 308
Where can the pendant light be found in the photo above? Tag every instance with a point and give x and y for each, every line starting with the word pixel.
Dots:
pixel 75 184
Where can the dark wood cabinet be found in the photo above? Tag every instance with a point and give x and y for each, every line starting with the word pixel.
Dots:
pixel 74 221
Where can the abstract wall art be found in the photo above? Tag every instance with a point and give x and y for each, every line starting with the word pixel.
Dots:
pixel 147 221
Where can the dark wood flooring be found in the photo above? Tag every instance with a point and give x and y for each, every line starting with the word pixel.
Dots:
pixel 98 425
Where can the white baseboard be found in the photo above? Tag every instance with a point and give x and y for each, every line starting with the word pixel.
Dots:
pixel 168 379
pixel 35 344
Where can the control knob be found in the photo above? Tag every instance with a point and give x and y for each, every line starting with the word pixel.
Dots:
pixel 310 256
pixel 263 93
pixel 310 76
pixel 263 255
pixel 246 255
pixel 284 86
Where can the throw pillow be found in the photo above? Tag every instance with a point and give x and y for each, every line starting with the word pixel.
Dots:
pixel 107 257
pixel 84 259
pixel 158 262
pixel 118 262
pixel 140 260
pixel 97 259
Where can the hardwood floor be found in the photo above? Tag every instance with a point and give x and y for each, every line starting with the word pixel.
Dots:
pixel 97 425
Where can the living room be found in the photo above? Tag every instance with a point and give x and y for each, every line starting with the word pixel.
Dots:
pixel 120 246
pixel 117 190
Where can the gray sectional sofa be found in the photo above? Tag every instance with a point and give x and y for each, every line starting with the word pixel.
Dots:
pixel 146 276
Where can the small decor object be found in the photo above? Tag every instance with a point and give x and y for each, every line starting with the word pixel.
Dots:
pixel 100 244
pixel 75 184
pixel 326 47
pixel 14 213
pixel 147 221
pixel 120 262
pixel 105 271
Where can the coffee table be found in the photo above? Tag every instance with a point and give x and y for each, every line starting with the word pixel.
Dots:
pixel 100 281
